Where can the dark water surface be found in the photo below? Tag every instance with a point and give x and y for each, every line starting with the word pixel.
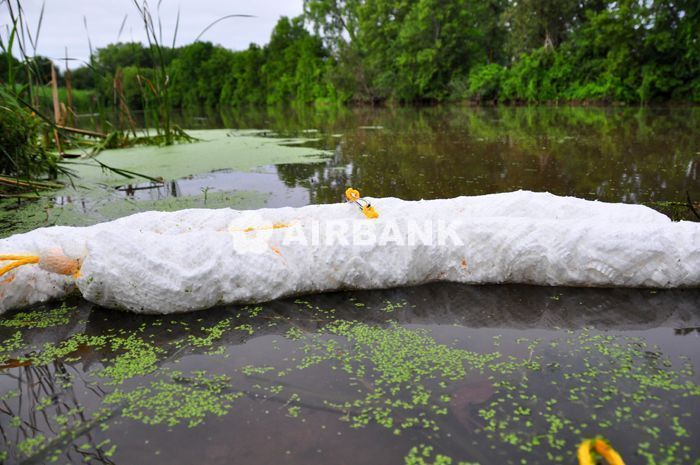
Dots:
pixel 632 155
pixel 438 374
pixel 483 374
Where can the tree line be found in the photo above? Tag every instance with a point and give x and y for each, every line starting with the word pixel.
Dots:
pixel 374 51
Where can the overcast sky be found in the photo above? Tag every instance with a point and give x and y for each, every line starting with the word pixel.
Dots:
pixel 63 22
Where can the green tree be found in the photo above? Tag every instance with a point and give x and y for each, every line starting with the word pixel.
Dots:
pixel 545 23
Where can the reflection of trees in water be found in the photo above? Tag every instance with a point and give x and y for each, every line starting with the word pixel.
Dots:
pixel 325 181
pixel 49 405
pixel 614 154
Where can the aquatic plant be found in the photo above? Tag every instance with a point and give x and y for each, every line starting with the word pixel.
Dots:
pixel 424 455
pixel 39 318
pixel 212 334
pixel 23 154
pixel 137 357
pixel 396 368
pixel 178 399
pixel 10 344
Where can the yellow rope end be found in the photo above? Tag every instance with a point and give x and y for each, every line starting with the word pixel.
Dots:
pixel 584 453
pixel 353 195
pixel 608 453
pixel 53 261
pixel 585 449
pixel 17 261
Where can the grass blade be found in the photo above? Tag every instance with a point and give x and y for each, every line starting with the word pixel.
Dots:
pixel 177 27
pixel 121 28
pixel 218 21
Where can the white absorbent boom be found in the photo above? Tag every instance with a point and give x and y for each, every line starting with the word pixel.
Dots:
pixel 157 262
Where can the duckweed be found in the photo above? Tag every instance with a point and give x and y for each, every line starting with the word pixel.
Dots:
pixel 66 350
pixel 396 369
pixel 177 400
pixel 606 388
pixel 32 445
pixel 10 345
pixel 137 358
pixel 212 334
pixel 423 455
pixel 245 328
pixel 294 333
pixel 39 318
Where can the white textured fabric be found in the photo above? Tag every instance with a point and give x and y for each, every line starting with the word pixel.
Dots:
pixel 158 262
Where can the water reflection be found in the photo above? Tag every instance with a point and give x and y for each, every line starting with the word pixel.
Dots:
pixel 647 155
pixel 274 181
pixel 613 155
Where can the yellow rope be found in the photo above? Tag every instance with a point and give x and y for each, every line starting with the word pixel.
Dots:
pixel 585 457
pixel 370 212
pixel 18 261
pixel 584 453
pixel 608 453
pixel 15 257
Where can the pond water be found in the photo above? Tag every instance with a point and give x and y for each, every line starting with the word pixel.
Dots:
pixel 441 373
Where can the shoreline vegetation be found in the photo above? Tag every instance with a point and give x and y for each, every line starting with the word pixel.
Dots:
pixel 37 137
pixel 391 52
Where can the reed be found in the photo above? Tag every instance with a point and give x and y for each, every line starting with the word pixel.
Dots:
pixel 159 86
pixel 32 143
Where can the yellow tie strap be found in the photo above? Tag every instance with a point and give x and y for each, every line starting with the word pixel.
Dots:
pixel 353 196
pixel 585 456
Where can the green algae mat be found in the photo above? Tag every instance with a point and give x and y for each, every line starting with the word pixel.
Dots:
pixel 204 174
pixel 440 374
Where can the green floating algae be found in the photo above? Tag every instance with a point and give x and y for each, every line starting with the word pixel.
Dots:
pixel 176 400
pixel 212 334
pixel 218 149
pixel 594 384
pixel 402 373
pixel 39 318
pixel 10 345
pixel 425 455
pixel 91 197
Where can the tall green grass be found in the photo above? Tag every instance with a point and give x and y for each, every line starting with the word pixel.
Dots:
pixel 21 152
